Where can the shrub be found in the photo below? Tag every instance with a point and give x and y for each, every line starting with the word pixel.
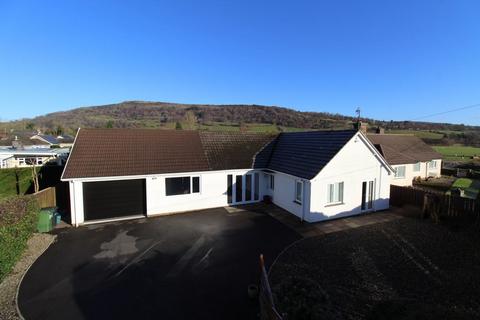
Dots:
pixel 18 219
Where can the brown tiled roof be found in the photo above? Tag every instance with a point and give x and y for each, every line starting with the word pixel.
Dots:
pixel 401 149
pixel 126 152
pixel 232 150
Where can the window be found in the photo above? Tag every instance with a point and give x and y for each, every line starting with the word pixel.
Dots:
pixel 298 191
pixel 400 172
pixel 432 164
pixel 272 182
pixel 21 161
pixel 176 186
pixel 238 189
pixel 256 194
pixel 335 192
pixel 416 167
pixel 195 184
pixel 248 187
pixel 229 188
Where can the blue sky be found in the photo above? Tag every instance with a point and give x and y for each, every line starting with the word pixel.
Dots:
pixel 395 59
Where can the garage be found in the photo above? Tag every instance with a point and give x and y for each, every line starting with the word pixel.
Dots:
pixel 114 199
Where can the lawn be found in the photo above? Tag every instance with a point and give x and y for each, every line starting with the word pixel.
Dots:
pixel 471 187
pixel 418 133
pixel 403 269
pixel 457 153
pixel 8 181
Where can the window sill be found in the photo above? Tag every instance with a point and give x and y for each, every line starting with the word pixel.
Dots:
pixel 297 202
pixel 334 204
pixel 398 178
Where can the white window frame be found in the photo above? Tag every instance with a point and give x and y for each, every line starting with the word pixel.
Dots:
pixel 334 196
pixel 432 164
pixel 191 186
pixel 396 176
pixel 415 165
pixel 298 185
pixel 21 161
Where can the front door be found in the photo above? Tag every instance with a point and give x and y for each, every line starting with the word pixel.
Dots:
pixel 368 191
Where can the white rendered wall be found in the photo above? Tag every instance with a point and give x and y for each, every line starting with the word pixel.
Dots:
pixel 213 192
pixel 410 174
pixel 353 164
pixel 283 194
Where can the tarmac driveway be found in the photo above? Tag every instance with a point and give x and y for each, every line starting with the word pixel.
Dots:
pixel 187 266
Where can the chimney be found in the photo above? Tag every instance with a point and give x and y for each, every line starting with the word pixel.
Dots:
pixel 380 130
pixel 359 126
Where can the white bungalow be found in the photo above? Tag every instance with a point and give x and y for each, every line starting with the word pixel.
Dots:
pixel 116 174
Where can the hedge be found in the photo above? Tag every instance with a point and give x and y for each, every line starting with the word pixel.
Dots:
pixel 18 220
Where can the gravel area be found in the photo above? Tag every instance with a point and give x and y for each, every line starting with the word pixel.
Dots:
pixel 403 269
pixel 36 245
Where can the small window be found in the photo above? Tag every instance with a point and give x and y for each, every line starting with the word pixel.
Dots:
pixel 272 182
pixel 400 172
pixel 195 184
pixel 176 186
pixel 298 191
pixel 21 160
pixel 432 164
pixel 335 192
pixel 416 167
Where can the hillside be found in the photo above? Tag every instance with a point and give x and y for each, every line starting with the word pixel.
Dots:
pixel 132 114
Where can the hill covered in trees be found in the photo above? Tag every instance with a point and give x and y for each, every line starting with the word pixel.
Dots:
pixel 140 114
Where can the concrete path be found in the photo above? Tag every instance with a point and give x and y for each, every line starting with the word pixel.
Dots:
pixel 320 228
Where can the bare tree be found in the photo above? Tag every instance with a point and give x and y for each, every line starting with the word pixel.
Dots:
pixel 33 162
pixel 190 120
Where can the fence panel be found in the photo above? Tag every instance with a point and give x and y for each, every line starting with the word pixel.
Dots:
pixel 450 205
pixel 46 198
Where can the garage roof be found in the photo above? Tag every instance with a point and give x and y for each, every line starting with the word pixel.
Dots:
pixel 403 149
pixel 128 152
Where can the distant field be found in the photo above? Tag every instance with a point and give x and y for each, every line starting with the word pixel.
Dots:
pixel 418 133
pixel 457 153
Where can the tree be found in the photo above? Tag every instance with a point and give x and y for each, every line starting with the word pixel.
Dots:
pixel 109 124
pixel 33 162
pixel 243 127
pixel 30 126
pixel 190 120
pixel 178 126
pixel 59 130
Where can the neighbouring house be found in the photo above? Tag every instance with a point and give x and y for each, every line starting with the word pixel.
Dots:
pixel 60 140
pixel 409 156
pixel 24 157
pixel 118 174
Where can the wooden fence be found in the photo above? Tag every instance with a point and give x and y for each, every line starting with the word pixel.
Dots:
pixel 449 205
pixel 267 306
pixel 56 196
pixel 46 198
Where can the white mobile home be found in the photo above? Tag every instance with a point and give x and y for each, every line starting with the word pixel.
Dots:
pixel 127 173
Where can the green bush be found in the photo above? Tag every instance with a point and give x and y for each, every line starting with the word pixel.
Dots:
pixel 18 220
